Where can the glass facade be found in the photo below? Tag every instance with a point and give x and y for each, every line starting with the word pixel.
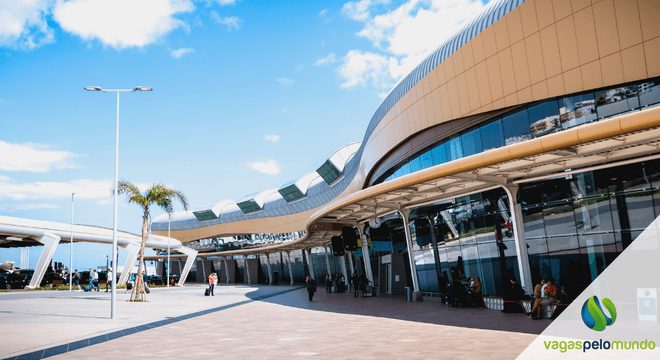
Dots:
pixel 574 227
pixel 534 120
pixel 473 238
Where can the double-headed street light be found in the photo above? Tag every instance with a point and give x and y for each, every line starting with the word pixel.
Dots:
pixel 113 307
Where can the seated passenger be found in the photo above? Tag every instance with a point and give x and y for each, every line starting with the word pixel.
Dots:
pixel 549 299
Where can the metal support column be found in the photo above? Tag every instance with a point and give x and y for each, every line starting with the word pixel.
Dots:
pixel 519 237
pixel 411 256
pixel 365 255
pixel 327 260
pixel 288 256
pixel 50 242
pixel 270 270
pixel 309 263
pixel 224 264
pixel 436 253
pixel 350 261
pixel 247 270
pixel 343 271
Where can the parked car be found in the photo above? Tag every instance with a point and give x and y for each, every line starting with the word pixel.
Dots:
pixel 51 278
pixel 3 281
pixel 155 280
pixel 17 281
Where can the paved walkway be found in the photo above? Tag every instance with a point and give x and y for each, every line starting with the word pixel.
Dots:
pixel 256 322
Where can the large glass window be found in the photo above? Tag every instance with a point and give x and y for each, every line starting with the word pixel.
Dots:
pixel 426 160
pixel 516 127
pixel 439 154
pixel 649 93
pixel 471 142
pixel 492 135
pixel 454 149
pixel 415 165
pixel 544 118
pixel 615 101
pixel 577 110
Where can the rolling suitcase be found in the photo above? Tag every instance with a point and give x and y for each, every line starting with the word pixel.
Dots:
pixel 207 292
pixel 146 289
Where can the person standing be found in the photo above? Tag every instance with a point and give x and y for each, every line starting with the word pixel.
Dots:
pixel 355 282
pixel 212 281
pixel 108 281
pixel 95 280
pixel 328 283
pixel 363 284
pixel 90 280
pixel 76 279
pixel 310 287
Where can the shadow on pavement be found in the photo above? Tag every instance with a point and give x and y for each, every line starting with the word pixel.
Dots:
pixel 395 307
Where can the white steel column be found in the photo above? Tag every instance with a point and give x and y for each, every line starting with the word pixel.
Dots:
pixel 413 269
pixel 270 270
pixel 350 261
pixel 224 261
pixel 247 270
pixel 365 255
pixel 133 251
pixel 343 271
pixel 310 266
pixel 50 242
pixel 327 260
pixel 71 247
pixel 288 255
pixel 191 255
pixel 519 237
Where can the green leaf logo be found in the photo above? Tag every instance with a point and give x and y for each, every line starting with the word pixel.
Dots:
pixel 594 316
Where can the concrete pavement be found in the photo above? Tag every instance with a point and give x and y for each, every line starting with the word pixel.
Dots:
pixel 256 322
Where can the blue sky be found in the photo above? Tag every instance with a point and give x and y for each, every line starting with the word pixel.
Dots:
pixel 248 95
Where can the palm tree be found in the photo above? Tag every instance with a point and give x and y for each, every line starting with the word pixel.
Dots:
pixel 159 195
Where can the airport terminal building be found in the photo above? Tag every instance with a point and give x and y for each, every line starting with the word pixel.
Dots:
pixel 526 146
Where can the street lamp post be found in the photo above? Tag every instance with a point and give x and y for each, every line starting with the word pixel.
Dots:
pixel 71 247
pixel 169 219
pixel 113 306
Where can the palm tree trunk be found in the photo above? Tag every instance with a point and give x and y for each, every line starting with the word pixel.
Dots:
pixel 138 293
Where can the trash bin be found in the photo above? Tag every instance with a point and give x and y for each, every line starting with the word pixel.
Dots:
pixel 408 293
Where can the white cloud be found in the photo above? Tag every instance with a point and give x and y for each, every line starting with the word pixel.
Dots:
pixel 272 138
pixel 285 81
pixel 84 189
pixel 221 2
pixel 232 23
pixel 360 10
pixel 402 37
pixel 269 167
pixel 34 157
pixel 21 207
pixel 23 24
pixel 178 53
pixel 120 23
pixel 358 68
pixel 326 60
pixel 323 12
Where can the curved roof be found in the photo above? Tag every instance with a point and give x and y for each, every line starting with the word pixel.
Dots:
pixel 339 170
pixel 269 203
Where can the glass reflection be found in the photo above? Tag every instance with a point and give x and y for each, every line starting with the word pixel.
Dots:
pixel 577 110
pixel 454 149
pixel 492 135
pixel 544 118
pixel 615 101
pixel 516 127
pixel 471 142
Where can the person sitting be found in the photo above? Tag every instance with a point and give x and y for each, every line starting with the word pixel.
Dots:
pixel 513 293
pixel 549 299
pixel 538 296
